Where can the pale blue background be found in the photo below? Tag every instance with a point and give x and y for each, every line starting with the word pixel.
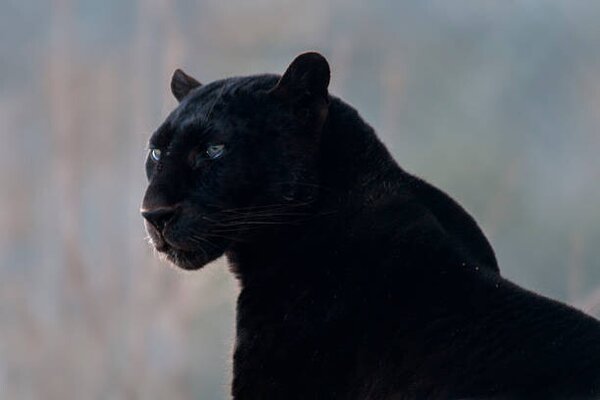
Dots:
pixel 497 102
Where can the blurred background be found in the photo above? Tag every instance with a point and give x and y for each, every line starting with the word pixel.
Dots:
pixel 496 102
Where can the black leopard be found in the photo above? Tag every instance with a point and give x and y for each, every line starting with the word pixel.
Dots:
pixel 358 280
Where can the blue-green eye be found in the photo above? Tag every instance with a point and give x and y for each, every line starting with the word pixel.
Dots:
pixel 155 154
pixel 215 151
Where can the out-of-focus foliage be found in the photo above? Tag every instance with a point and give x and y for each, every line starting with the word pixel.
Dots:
pixel 496 102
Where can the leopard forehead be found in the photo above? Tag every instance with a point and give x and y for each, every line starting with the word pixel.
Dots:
pixel 220 105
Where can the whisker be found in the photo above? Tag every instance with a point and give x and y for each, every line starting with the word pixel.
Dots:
pixel 259 218
pixel 246 222
pixel 266 206
pixel 197 239
pixel 232 238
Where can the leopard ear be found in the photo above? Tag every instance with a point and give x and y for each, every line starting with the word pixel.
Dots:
pixel 304 86
pixel 306 79
pixel 182 84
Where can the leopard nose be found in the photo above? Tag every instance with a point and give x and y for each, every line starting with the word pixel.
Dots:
pixel 159 216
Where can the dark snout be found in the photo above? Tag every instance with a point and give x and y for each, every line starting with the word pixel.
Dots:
pixel 161 213
pixel 159 206
pixel 177 229
pixel 160 216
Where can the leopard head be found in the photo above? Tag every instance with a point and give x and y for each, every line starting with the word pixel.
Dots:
pixel 236 157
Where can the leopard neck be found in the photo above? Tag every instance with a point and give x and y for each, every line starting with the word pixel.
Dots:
pixel 357 176
pixel 355 166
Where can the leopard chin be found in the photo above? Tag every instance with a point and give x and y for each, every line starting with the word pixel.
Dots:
pixel 184 254
pixel 188 260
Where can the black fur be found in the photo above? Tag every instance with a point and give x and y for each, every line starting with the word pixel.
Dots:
pixel 358 280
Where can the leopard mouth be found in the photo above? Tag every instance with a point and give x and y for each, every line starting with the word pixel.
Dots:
pixel 188 260
pixel 185 254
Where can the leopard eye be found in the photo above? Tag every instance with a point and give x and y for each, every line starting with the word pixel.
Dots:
pixel 215 151
pixel 155 154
